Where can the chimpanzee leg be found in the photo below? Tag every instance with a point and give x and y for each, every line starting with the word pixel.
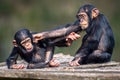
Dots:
pixel 98 56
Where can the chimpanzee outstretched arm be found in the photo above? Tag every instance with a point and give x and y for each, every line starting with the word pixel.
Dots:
pixel 61 31
pixel 12 58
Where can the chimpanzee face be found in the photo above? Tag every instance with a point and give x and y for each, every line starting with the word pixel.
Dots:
pixel 86 14
pixel 24 40
pixel 27 44
pixel 83 18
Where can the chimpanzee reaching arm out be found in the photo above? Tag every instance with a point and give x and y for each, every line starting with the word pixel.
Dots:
pixel 60 32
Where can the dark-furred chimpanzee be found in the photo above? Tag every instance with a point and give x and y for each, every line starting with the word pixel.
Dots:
pixel 98 43
pixel 38 55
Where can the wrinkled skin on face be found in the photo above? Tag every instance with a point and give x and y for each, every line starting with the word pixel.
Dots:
pixel 26 43
pixel 86 14
pixel 83 18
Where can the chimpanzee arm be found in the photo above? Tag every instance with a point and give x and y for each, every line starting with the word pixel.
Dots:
pixel 12 58
pixel 62 30
pixel 49 54
pixel 36 65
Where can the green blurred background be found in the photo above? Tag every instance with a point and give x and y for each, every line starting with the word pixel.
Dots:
pixel 41 15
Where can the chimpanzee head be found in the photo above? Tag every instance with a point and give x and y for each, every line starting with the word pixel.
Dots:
pixel 24 40
pixel 86 14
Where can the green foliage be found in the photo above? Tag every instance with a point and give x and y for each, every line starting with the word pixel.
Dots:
pixel 41 15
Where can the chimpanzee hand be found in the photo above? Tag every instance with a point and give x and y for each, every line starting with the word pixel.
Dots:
pixel 71 37
pixel 53 63
pixel 16 66
pixel 38 37
pixel 74 62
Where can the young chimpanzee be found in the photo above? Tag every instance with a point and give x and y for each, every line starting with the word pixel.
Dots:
pixel 38 55
pixel 98 43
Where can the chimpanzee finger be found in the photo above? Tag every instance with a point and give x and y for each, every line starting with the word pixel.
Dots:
pixel 22 66
pixel 77 35
pixel 76 63
pixel 57 64
pixel 71 63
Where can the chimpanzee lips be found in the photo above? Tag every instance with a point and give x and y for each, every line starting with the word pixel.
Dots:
pixel 29 49
pixel 83 23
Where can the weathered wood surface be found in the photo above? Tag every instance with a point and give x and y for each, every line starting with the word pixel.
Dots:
pixel 105 71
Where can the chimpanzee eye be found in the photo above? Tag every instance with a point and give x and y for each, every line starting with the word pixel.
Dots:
pixel 81 16
pixel 29 40
pixel 84 15
pixel 78 16
pixel 23 43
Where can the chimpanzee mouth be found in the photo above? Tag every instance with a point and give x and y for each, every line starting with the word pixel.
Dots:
pixel 83 24
pixel 29 49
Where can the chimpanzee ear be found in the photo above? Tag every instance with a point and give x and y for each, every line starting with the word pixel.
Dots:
pixel 14 43
pixel 95 12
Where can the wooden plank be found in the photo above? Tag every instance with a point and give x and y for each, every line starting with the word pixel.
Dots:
pixel 105 71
